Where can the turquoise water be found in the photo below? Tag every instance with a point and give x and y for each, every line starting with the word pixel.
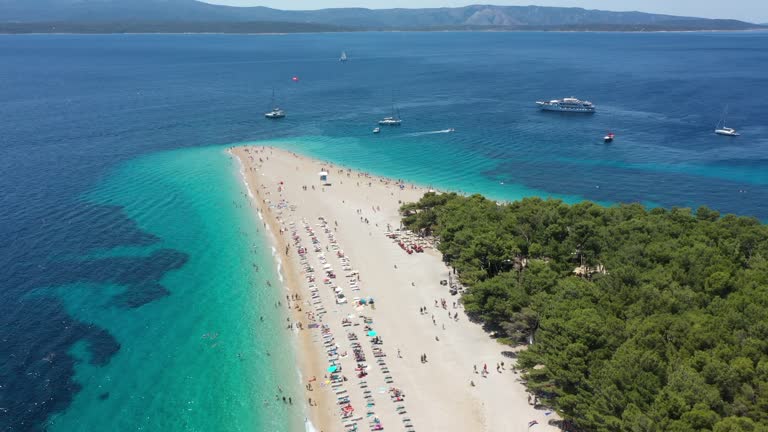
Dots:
pixel 105 299
pixel 179 378
pixel 416 160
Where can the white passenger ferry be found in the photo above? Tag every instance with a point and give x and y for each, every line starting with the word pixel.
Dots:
pixel 570 104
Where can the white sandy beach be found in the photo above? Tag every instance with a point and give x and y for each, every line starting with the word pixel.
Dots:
pixel 438 395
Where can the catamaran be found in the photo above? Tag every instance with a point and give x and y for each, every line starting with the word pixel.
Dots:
pixel 721 129
pixel 276 112
pixel 394 119
pixel 390 121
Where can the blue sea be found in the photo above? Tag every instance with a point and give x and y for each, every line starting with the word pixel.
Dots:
pixel 128 251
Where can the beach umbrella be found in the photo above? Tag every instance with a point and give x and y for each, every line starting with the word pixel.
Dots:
pixel 332 368
pixel 371 333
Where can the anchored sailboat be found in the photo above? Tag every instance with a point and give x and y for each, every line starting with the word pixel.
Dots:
pixel 276 112
pixel 721 129
pixel 343 57
pixel 394 119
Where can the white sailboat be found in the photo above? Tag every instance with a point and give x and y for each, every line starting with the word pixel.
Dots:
pixel 343 57
pixel 276 112
pixel 721 129
pixel 394 119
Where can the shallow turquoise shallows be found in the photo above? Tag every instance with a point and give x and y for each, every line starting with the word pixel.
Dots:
pixel 416 159
pixel 201 358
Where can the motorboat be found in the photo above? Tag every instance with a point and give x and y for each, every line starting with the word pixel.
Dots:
pixel 376 130
pixel 609 138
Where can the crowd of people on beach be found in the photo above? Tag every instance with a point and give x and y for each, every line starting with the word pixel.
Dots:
pixel 340 320
pixel 319 273
pixel 336 378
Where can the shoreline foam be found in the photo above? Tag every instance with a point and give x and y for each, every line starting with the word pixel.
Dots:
pixel 303 368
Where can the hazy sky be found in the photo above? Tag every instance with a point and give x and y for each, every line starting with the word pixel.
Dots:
pixel 747 10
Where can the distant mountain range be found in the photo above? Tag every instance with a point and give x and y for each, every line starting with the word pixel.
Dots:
pixel 192 15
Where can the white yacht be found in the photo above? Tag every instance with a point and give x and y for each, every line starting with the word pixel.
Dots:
pixel 343 57
pixel 721 129
pixel 276 112
pixel 570 104
pixel 376 130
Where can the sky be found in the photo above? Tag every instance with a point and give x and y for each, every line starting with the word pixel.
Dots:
pixel 746 10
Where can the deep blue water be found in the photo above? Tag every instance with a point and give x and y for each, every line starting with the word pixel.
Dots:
pixel 75 108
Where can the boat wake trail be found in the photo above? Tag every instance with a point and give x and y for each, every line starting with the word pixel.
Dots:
pixel 443 131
